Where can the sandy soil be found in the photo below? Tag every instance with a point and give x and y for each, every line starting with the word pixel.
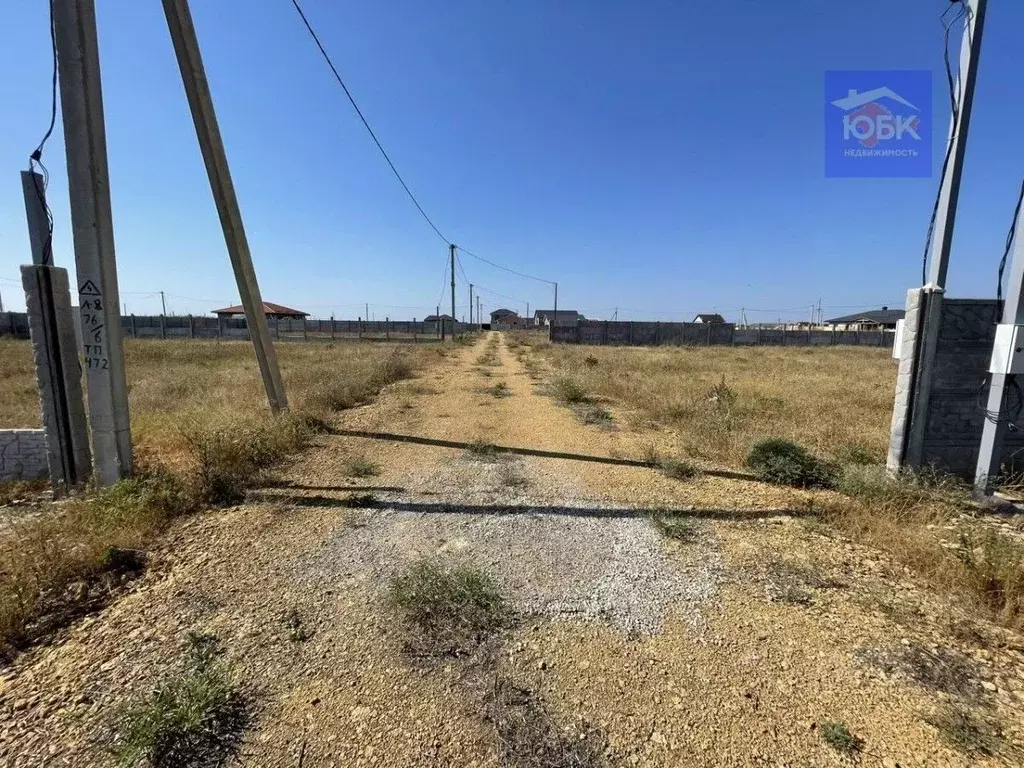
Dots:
pixel 733 649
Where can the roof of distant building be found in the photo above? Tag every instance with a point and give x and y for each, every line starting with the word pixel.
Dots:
pixel 883 316
pixel 709 317
pixel 269 308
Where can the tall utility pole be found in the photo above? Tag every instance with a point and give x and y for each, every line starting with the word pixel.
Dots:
pixel 163 304
pixel 451 251
pixel 993 431
pixel 85 143
pixel 527 310
pixel 554 315
pixel 479 317
pixel 197 89
pixel 367 315
pixel 470 303
pixel 924 306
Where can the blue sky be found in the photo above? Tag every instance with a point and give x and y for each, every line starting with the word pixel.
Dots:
pixel 661 157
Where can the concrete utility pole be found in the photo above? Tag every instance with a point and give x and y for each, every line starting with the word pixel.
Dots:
pixel 479 317
pixel 554 316
pixel 85 143
pixel 924 306
pixel 994 429
pixel 451 251
pixel 54 348
pixel 163 304
pixel 193 77
pixel 470 303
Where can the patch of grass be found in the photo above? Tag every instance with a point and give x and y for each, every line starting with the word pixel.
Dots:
pixel 569 390
pixel 994 565
pixel 677 527
pixel 590 361
pixel 95 543
pixel 360 466
pixel 783 462
pixel 22 489
pixel 938 669
pixel 595 414
pixel 195 718
pixel 448 610
pixel 530 738
pixel 965 732
pixel 857 455
pixel 650 455
pixel 482 449
pixel 838 736
pixel 510 477
pixel 792 583
pixel 296 628
pixel 679 470
pixel 501 389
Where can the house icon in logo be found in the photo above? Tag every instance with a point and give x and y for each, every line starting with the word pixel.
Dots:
pixel 869 121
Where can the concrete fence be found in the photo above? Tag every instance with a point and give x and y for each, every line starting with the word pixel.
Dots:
pixel 199 327
pixel 647 334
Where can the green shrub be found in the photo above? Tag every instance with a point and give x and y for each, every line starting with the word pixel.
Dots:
pixel 838 736
pixel 360 466
pixel 994 563
pixel 569 390
pixel 679 470
pixel 783 462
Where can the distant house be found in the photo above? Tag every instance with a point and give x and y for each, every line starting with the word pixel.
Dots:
pixel 505 317
pixel 566 317
pixel 435 318
pixel 872 320
pixel 269 309
pixel 712 317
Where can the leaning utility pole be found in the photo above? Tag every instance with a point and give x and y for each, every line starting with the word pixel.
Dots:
pixel 85 142
pixel 197 89
pixel 924 305
pixel 163 304
pixel 451 250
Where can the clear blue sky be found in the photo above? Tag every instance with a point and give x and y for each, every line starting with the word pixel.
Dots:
pixel 655 154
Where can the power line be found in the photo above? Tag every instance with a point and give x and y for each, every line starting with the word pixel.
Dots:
pixel 507 269
pixel 359 112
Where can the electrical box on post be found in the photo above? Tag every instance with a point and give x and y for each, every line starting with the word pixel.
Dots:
pixel 897 340
pixel 1007 354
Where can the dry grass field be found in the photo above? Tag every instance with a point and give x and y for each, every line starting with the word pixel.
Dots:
pixel 202 434
pixel 720 400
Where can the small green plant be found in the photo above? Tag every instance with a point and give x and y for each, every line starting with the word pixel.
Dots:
pixel 722 398
pixel 482 449
pixel 195 718
pixel 838 736
pixel 679 470
pixel 966 733
pixel 448 610
pixel 678 527
pixel 569 390
pixel 501 389
pixel 360 466
pixel 297 630
pixel 783 462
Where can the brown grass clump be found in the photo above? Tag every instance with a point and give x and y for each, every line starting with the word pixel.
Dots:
pixel 202 435
pixel 722 399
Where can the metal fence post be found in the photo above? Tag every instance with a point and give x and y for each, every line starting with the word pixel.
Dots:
pixel 163 326
pixel 332 327
pixel 305 334
pixel 387 328
pixel 134 334
pixel 191 327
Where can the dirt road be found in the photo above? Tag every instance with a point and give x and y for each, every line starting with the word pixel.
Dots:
pixel 732 649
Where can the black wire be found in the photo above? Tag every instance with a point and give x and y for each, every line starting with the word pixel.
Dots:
pixel 359 112
pixel 955 109
pixel 1006 250
pixel 36 158
pixel 499 266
